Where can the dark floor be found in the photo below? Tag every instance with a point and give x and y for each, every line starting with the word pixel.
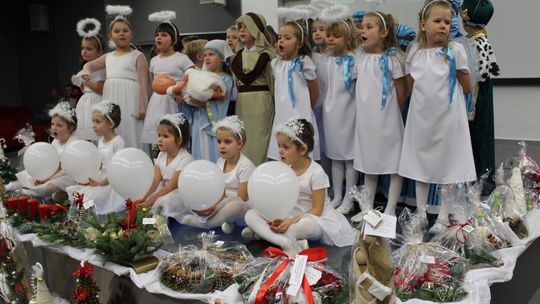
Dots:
pixel 524 288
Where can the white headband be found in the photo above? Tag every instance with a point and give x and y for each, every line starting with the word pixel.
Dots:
pixel 105 107
pixel 92 33
pixel 164 17
pixel 64 110
pixel 430 3
pixel 232 123
pixel 335 14
pixel 292 129
pixel 301 31
pixel 119 11
pixel 382 19
pixel 176 120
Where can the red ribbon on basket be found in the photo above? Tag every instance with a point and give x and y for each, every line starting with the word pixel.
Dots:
pixel 313 254
pixel 461 231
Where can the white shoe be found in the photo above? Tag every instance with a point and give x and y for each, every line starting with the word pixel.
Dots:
pixel 249 234
pixel 335 203
pixel 29 192
pixel 345 208
pixel 12 186
pixel 227 228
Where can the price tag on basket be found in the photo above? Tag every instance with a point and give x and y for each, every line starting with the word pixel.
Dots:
pixel 386 228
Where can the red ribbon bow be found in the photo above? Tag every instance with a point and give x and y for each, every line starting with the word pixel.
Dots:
pixel 313 254
pixel 84 271
pixel 461 231
pixel 131 214
pixel 79 199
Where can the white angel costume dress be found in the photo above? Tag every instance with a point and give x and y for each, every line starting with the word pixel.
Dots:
pixel 171 202
pixel 437 145
pixel 105 198
pixel 60 181
pixel 83 110
pixel 159 105
pixel 292 99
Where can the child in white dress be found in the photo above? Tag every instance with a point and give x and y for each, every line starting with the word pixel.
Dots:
pixel 380 98
pixel 312 217
pixel 92 85
pixel 127 81
pixel 106 116
pixel 230 136
pixel 296 89
pixel 339 107
pixel 436 145
pixel 169 61
pixel 63 124
pixel 173 136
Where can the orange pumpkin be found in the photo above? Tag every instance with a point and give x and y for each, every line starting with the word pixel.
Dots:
pixel 161 83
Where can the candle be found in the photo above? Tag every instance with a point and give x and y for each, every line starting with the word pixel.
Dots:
pixel 43 211
pixel 32 208
pixel 11 204
pixel 22 205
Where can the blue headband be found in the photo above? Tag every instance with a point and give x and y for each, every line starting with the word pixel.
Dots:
pixel 358 16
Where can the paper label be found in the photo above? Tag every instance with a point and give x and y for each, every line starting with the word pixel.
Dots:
pixel 427 259
pixel 468 228
pixel 88 204
pixel 297 274
pixel 373 217
pixel 148 221
pixel 386 228
pixel 313 275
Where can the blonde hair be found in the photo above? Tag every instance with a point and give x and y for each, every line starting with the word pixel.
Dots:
pixel 390 40
pixel 120 20
pixel 194 47
pixel 423 15
pixel 346 28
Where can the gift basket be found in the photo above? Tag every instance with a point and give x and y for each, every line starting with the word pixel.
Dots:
pixel 504 205
pixel 530 176
pixel 278 279
pixel 71 231
pixel 426 271
pixel 130 239
pixel 203 269
pixel 494 231
pixel 461 235
pixel 371 271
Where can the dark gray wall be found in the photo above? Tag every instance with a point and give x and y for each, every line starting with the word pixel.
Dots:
pixel 32 62
pixel 191 16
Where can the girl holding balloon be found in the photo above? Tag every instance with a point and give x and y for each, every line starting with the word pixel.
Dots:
pixel 312 217
pixel 230 136
pixel 106 117
pixel 173 136
pixel 63 124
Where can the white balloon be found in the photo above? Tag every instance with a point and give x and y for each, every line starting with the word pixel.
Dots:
pixel 81 160
pixel 130 173
pixel 201 184
pixel 273 190
pixel 41 160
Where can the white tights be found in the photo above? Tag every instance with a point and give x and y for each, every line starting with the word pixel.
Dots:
pixel 306 228
pixel 421 199
pixel 230 212
pixel 394 191
pixel 343 169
